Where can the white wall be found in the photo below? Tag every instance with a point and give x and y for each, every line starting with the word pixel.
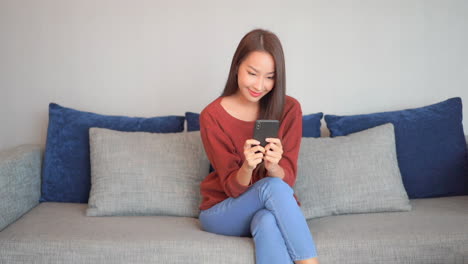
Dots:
pixel 151 58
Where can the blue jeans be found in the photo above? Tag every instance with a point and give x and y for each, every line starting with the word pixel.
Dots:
pixel 268 212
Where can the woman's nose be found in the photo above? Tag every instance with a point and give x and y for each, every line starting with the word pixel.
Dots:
pixel 258 84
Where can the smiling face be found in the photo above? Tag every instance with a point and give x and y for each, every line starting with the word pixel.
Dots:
pixel 256 76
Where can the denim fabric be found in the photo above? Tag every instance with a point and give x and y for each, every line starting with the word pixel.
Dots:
pixel 268 212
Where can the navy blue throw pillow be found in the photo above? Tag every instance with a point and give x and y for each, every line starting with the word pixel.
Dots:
pixel 193 121
pixel 66 171
pixel 430 144
pixel 311 125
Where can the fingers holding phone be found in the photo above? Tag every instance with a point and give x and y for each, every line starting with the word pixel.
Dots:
pixel 255 149
pixel 253 153
pixel 273 153
pixel 274 145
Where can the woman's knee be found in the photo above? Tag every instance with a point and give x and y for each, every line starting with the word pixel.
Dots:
pixel 263 219
pixel 275 185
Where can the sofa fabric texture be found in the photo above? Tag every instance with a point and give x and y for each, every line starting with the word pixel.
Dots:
pixel 62 233
pixel 430 143
pixel 66 170
pixel 357 173
pixel 141 173
pixel 20 179
pixel 433 231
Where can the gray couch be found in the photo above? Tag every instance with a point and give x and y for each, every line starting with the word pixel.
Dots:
pixel 434 231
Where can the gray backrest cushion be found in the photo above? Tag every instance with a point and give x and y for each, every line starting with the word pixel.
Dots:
pixel 142 173
pixel 357 173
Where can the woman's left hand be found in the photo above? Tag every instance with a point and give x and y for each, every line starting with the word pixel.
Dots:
pixel 273 154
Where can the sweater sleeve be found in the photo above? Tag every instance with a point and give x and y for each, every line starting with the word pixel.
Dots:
pixel 291 141
pixel 221 152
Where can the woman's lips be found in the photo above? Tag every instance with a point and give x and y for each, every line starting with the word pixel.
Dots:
pixel 254 94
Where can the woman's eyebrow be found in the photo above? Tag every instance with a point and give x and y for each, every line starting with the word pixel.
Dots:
pixel 257 70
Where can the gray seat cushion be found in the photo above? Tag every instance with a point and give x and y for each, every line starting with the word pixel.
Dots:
pixel 62 233
pixel 435 231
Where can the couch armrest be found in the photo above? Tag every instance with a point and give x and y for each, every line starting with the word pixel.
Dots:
pixel 20 181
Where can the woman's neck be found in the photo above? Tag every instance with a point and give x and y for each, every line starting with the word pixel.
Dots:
pixel 246 103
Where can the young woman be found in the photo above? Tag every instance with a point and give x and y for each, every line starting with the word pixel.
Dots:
pixel 248 193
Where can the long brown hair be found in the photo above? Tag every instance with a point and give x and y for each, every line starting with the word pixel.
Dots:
pixel 272 104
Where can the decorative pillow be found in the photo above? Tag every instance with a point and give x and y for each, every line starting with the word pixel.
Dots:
pixel 141 173
pixel 66 171
pixel 193 121
pixel 310 123
pixel 430 144
pixel 357 173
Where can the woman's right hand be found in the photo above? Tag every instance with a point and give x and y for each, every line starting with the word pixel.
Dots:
pixel 252 159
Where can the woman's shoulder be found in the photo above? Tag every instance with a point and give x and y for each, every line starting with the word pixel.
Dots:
pixel 292 108
pixel 291 103
pixel 211 107
pixel 211 111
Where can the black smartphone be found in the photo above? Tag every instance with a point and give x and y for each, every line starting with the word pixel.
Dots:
pixel 265 129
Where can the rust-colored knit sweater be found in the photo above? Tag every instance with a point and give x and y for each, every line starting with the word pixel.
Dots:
pixel 224 136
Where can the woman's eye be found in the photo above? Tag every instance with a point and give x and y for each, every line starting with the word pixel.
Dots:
pixel 271 78
pixel 251 73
